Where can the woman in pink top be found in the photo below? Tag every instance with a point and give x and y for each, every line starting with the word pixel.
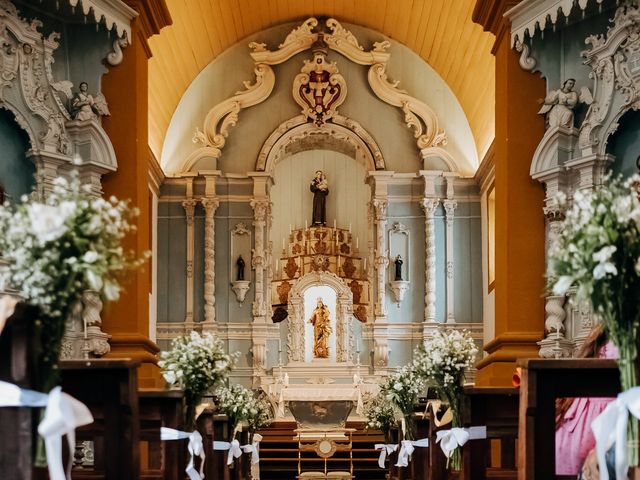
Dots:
pixel 574 438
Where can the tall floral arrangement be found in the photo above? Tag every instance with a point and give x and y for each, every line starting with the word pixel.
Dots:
pixel 60 247
pixel 195 364
pixel 241 405
pixel 380 414
pixel 442 362
pixel 598 250
pixel 402 389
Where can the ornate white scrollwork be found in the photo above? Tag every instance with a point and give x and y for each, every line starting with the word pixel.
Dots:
pixel 319 101
pixel 319 89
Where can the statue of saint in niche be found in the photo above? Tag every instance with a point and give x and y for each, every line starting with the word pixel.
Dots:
pixel 240 265
pixel 320 189
pixel 321 330
pixel 398 263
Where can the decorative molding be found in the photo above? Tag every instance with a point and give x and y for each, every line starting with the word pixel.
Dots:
pixel 319 88
pixel 114 13
pixel 417 115
pixel 526 62
pixel 297 129
pixel 240 229
pixel 532 16
pixel 613 58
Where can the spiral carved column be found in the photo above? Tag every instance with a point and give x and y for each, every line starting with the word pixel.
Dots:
pixel 429 206
pixel 210 206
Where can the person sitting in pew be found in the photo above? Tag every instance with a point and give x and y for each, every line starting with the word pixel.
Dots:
pixel 574 438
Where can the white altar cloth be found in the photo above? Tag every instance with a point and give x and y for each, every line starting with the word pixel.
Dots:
pixel 322 392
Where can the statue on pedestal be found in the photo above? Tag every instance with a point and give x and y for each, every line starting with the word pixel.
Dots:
pixel 320 189
pixel 398 263
pixel 240 264
pixel 321 330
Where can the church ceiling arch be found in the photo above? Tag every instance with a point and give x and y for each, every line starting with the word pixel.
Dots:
pixel 440 32
pixel 320 89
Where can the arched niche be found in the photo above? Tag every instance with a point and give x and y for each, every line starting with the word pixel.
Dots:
pixel 343 135
pixel 17 172
pixel 624 145
pixel 296 321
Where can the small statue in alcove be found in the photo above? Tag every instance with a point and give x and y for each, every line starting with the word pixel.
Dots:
pixel 240 264
pixel 398 263
pixel 320 188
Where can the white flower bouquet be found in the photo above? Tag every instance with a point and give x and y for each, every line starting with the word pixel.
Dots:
pixel 598 250
pixel 442 362
pixel 241 405
pixel 58 248
pixel 196 364
pixel 402 389
pixel 380 414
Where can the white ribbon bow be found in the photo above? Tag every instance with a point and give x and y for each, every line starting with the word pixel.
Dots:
pixel 195 447
pixel 252 448
pixel 610 428
pixel 233 447
pixel 63 414
pixel 385 449
pixel 456 437
pixel 406 449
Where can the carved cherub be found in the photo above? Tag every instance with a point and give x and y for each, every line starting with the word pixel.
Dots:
pixel 559 104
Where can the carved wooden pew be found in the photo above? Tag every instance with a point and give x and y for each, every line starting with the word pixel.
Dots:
pixel 109 388
pixel 161 460
pixel 18 425
pixel 542 381
pixel 497 409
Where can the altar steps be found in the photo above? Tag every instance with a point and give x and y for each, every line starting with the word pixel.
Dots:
pixel 279 454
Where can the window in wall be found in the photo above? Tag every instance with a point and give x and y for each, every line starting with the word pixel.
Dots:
pixel 491 236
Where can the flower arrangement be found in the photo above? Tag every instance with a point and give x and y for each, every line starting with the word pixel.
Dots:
pixel 441 362
pixel 241 405
pixel 380 415
pixel 60 247
pixel 402 389
pixel 598 250
pixel 196 364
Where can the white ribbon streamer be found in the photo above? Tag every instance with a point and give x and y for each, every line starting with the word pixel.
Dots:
pixel 195 447
pixel 610 429
pixel 385 449
pixel 406 449
pixel 63 414
pixel 456 437
pixel 233 447
pixel 252 448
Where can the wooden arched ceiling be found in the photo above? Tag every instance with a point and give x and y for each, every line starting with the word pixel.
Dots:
pixel 440 31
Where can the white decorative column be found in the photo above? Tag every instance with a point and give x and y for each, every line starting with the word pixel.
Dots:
pixel 210 205
pixel 429 205
pixel 189 207
pixel 450 208
pixel 381 255
pixel 261 209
